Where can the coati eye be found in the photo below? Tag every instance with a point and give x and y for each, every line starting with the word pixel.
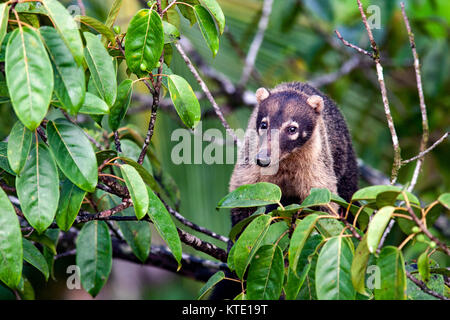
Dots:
pixel 292 129
pixel 263 125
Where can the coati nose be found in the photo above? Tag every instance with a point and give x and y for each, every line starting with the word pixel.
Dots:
pixel 262 159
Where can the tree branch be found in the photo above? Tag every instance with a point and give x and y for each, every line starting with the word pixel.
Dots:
pixel 206 91
pixel 256 43
pixel 422 285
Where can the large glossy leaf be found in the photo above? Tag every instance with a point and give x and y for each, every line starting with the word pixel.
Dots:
pixel 299 238
pixel 209 285
pixel 74 153
pixel 252 195
pixel 101 66
pixel 208 28
pixel 359 266
pixel 33 256
pixel 333 277
pixel 70 86
pixel 137 234
pixel 184 100
pixel 249 242
pixel 94 256
pixel 11 251
pixel 317 197
pixel 97 26
pixel 423 265
pixel 69 204
pixel 297 277
pixel 164 224
pixel 136 188
pixel 266 274
pixel 144 41
pixel 216 11
pixel 188 12
pixel 4 15
pixel 19 145
pixel 38 188
pixel 120 107
pixel 392 275
pixel 66 27
pixel 371 193
pixel 131 150
pixel 377 227
pixel 29 75
pixel 93 105
pixel 444 199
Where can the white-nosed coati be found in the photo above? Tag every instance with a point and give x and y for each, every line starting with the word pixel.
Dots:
pixel 298 139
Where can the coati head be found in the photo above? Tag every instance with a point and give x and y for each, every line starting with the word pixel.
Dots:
pixel 286 121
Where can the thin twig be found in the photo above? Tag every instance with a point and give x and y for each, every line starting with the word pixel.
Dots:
pixel 423 107
pixel 422 285
pixel 376 58
pixel 419 223
pixel 256 43
pixel 423 153
pixel 206 91
pixel 192 225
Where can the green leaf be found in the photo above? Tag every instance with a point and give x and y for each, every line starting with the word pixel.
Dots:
pixel 120 107
pixel 113 13
pixel 101 66
pixel 377 226
pixel 26 291
pixel 137 234
pixel 444 199
pixel 4 16
pixel 97 26
pixel 10 243
pixel 184 100
pixel 144 41
pixel 171 33
pixel 73 153
pixel 29 75
pixel 216 11
pixel 238 227
pixel 249 242
pixel 132 151
pixel 251 195
pixel 278 231
pixel 136 188
pixel 333 276
pixel 94 256
pixel 188 12
pixel 66 27
pixel 359 266
pixel 70 86
pixel 266 274
pixel 145 175
pixel 364 215
pixel 208 28
pixel 423 265
pixel 69 204
pixel 317 197
pixel 33 256
pixel 164 225
pixel 4 163
pixel 392 275
pixel 19 145
pixel 38 188
pixel 93 105
pixel 215 279
pixel 371 193
pixel 297 277
pixel 299 237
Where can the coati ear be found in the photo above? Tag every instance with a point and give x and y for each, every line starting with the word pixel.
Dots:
pixel 261 94
pixel 316 102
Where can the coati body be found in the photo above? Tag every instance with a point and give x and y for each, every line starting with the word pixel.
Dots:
pixel 314 148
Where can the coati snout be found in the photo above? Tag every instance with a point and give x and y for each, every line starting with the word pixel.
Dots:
pixel 284 123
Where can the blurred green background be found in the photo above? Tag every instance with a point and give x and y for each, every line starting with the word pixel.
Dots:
pixel 299 45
